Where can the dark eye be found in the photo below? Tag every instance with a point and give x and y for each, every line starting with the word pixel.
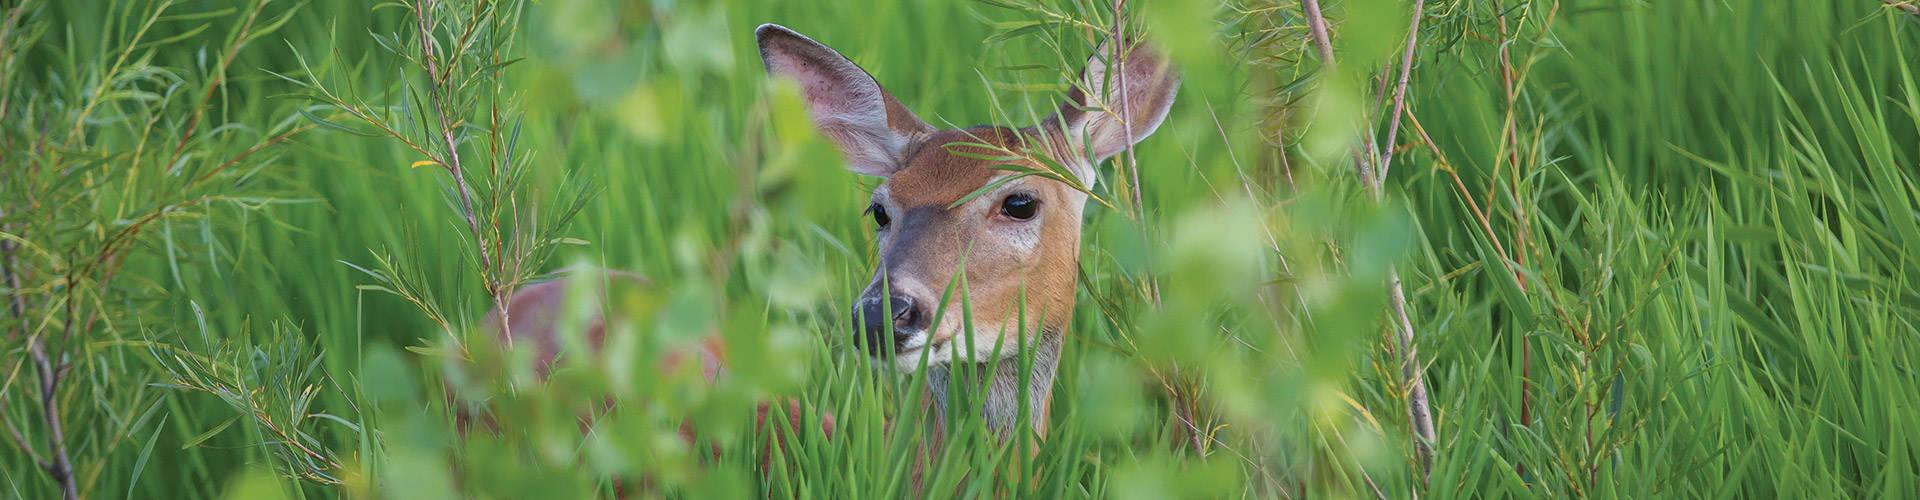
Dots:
pixel 1020 206
pixel 879 215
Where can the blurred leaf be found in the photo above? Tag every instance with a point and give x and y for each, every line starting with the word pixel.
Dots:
pixel 642 113
pixel 699 41
pixel 1186 28
pixel 255 484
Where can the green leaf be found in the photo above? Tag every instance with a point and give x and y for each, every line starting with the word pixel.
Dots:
pixel 323 123
pixel 210 433
pixel 146 452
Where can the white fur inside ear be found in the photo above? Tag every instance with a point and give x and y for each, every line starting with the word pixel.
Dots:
pixel 1124 107
pixel 860 130
pixel 846 104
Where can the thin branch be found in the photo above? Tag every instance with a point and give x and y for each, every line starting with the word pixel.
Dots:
pixel 219 80
pixel 17 306
pixel 1509 143
pixel 496 288
pixel 1472 206
pixel 249 152
pixel 61 468
pixel 446 134
pixel 1419 415
pixel 1317 25
pixel 1400 89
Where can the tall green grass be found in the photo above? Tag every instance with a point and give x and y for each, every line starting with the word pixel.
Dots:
pixel 1686 273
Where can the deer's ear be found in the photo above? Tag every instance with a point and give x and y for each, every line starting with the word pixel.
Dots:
pixel 870 127
pixel 1121 98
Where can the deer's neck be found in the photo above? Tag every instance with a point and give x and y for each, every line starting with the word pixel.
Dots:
pixel 997 390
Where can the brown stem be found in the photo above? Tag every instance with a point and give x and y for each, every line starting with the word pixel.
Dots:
pixel 61 467
pixel 249 152
pixel 1510 138
pixel 1317 25
pixel 446 135
pixel 495 289
pixel 17 305
pixel 1472 206
pixel 20 440
pixel 219 80
pixel 1400 89
pixel 1419 415
pixel 1510 142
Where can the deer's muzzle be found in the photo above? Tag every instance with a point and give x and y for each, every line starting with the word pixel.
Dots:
pixel 887 325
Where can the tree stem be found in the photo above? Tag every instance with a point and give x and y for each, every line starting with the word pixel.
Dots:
pixel 1419 414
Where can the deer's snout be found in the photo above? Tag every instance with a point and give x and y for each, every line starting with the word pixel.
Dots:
pixel 874 314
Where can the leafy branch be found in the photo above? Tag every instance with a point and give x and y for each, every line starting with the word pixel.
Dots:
pixel 84 196
pixel 456 111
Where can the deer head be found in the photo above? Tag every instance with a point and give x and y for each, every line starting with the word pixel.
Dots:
pixel 1016 246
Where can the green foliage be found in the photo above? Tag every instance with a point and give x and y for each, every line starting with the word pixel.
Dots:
pixel 1649 249
pixel 124 178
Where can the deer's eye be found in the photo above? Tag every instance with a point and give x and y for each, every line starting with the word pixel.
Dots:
pixel 879 215
pixel 1020 206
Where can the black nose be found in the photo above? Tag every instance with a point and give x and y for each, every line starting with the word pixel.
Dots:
pixel 873 316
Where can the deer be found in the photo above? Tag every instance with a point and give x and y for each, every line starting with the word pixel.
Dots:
pixel 1019 241
pixel 1015 246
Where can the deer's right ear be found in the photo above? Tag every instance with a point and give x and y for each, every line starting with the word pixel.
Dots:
pixel 870 127
pixel 1123 95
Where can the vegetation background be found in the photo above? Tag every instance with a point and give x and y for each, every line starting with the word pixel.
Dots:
pixel 1648 248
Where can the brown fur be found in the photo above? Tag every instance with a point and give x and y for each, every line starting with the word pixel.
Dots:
pixel 533 314
pixel 1018 276
pixel 934 234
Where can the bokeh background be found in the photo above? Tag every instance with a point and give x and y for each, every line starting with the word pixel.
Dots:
pixel 1648 249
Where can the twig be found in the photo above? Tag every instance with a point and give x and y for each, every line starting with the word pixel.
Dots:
pixel 1419 411
pixel 495 288
pixel 219 80
pixel 1472 206
pixel 1317 25
pixel 17 305
pixel 1400 89
pixel 446 135
pixel 61 468
pixel 1906 5
pixel 1183 400
pixel 249 152
pixel 1419 415
pixel 1509 141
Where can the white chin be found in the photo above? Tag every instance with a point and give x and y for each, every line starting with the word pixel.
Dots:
pixel 909 358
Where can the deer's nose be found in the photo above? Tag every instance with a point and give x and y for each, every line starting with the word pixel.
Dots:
pixel 873 315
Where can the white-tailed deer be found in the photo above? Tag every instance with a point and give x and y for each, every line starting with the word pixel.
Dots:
pixel 1018 243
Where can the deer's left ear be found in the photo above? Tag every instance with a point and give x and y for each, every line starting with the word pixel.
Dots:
pixel 870 127
pixel 1121 98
